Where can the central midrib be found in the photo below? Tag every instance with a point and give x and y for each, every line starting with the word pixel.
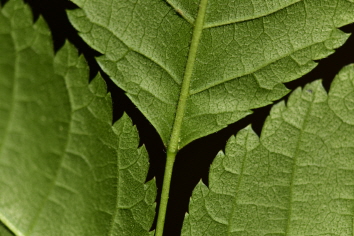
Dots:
pixel 173 145
pixel 182 101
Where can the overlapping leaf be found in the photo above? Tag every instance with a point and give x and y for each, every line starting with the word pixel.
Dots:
pixel 248 49
pixel 4 231
pixel 64 170
pixel 297 179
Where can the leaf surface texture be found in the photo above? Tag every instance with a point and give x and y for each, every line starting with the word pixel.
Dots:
pixel 296 179
pixel 247 50
pixel 65 170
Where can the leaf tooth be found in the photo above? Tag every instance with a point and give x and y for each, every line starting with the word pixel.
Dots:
pixel 341 95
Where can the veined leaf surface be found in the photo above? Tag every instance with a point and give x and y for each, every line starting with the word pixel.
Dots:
pixel 297 179
pixel 64 169
pixel 245 52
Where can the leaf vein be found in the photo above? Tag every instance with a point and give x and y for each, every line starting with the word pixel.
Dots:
pixel 60 166
pixel 249 18
pixel 190 21
pixel 196 91
pixel 234 205
pixel 294 169
pixel 138 52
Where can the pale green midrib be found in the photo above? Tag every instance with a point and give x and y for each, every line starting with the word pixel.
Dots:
pixel 237 193
pixel 173 144
pixel 294 169
pixel 262 67
pixel 213 25
pixel 182 102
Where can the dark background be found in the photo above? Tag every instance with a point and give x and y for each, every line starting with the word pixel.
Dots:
pixel 192 163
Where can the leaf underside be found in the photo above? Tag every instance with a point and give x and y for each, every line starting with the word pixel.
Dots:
pixel 248 49
pixel 65 170
pixel 296 179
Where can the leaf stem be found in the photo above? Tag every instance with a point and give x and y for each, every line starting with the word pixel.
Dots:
pixel 173 145
pixel 165 192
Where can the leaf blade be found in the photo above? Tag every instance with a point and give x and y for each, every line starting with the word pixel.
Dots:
pixel 64 169
pixel 294 180
pixel 238 67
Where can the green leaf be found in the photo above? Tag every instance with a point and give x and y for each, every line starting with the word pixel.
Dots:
pixel 245 52
pixel 296 179
pixel 64 169
pixel 4 231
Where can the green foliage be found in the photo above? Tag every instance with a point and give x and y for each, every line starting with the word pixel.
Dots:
pixel 192 68
pixel 296 179
pixel 247 50
pixel 64 169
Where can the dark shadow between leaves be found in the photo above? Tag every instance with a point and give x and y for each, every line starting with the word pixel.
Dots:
pixel 193 162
